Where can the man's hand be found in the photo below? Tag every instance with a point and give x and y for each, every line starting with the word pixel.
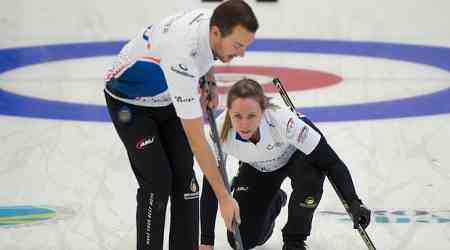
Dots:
pixel 209 96
pixel 206 247
pixel 229 210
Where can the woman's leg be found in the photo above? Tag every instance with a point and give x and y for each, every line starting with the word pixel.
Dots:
pixel 258 196
pixel 307 184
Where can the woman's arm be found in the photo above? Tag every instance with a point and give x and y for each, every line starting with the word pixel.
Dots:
pixel 326 159
pixel 208 213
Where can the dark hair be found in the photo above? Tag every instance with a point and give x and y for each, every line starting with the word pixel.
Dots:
pixel 245 88
pixel 232 13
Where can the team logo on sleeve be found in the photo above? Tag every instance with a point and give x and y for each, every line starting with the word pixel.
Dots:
pixel 303 134
pixel 290 127
pixel 182 70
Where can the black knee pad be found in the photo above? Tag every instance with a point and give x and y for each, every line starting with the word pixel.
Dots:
pixel 150 218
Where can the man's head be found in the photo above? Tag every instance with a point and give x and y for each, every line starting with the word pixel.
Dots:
pixel 232 29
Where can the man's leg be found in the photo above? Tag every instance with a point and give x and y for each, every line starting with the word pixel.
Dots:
pixel 140 135
pixel 184 221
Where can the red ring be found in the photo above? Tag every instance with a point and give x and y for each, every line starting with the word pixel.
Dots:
pixel 293 79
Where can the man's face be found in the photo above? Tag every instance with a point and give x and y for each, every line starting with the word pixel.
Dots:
pixel 232 45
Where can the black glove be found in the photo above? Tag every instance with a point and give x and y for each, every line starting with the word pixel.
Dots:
pixel 360 213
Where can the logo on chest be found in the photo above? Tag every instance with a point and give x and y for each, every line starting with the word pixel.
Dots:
pixel 272 146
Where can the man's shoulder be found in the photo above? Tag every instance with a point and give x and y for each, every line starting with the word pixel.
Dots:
pixel 201 13
pixel 182 29
pixel 189 18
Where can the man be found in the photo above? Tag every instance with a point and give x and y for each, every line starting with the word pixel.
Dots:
pixel 153 101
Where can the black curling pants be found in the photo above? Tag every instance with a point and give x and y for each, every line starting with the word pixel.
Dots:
pixel 162 161
pixel 256 192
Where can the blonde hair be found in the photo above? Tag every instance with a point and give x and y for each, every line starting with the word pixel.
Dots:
pixel 245 88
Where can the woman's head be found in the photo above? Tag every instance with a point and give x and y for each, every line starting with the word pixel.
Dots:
pixel 246 103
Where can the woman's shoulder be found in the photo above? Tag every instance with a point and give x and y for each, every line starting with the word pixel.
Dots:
pixel 277 113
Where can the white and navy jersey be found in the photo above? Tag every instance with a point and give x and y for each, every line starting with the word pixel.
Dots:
pixel 163 63
pixel 281 134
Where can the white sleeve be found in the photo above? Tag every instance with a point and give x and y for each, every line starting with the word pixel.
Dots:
pixel 182 80
pixel 296 132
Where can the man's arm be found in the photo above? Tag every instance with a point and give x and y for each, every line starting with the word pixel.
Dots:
pixel 208 164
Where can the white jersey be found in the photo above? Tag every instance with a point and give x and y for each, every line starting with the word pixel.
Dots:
pixel 281 134
pixel 163 63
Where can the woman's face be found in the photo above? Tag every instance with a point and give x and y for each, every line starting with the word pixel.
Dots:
pixel 245 114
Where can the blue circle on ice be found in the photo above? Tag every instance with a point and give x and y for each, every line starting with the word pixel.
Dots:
pixel 428 104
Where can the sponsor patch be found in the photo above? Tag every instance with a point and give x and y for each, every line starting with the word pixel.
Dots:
pixel 153 99
pixel 272 146
pixel 182 70
pixel 194 53
pixel 197 18
pixel 303 134
pixel 290 128
pixel 181 99
pixel 144 142
pixel 148 227
pixel 309 202
pixel 241 189
pixel 193 186
pixel 124 114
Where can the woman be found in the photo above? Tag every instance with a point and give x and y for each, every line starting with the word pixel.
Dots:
pixel 272 143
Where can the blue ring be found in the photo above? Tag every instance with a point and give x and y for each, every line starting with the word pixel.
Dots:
pixel 429 104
